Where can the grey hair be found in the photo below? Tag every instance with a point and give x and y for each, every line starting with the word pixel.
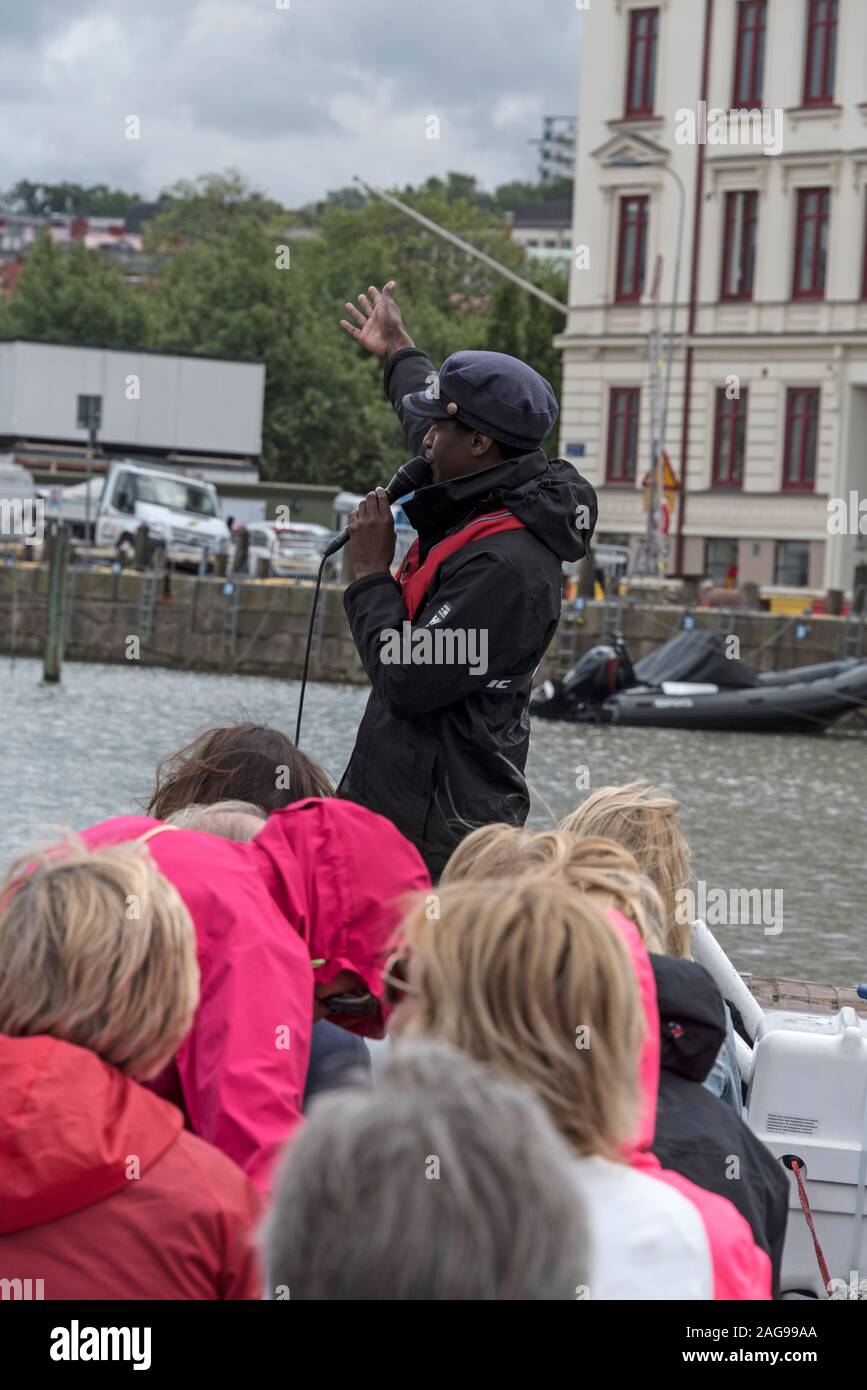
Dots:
pixel 446 1182
pixel 228 819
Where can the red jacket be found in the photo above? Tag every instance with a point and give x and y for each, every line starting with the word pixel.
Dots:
pixel 74 1131
pixel 322 880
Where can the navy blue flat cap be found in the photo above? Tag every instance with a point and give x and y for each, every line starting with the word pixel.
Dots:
pixel 498 395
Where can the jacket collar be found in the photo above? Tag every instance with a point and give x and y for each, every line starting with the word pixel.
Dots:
pixel 439 508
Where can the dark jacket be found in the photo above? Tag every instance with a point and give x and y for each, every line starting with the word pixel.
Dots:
pixel 697 1134
pixel 438 750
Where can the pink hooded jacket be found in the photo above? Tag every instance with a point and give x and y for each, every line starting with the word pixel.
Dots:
pixel 741 1270
pixel 322 880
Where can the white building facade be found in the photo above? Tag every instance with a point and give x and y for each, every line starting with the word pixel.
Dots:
pixel 767 409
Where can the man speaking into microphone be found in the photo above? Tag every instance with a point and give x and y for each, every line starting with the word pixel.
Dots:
pixel 452 642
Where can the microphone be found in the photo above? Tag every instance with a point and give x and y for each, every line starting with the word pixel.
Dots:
pixel 407 478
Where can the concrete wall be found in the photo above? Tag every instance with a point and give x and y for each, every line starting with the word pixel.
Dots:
pixel 260 627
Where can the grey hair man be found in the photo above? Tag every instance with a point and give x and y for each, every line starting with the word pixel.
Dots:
pixel 445 1182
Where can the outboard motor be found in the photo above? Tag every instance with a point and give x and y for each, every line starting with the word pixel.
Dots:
pixel 600 672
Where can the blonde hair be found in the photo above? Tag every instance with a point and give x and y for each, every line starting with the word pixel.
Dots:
pixel 595 865
pixel 646 821
pixel 98 949
pixel 512 974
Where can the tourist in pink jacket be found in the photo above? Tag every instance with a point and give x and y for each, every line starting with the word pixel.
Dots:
pixel 293 926
pixel 741 1269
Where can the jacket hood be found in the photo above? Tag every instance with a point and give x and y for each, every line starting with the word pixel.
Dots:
pixel 740 1269
pixel 333 870
pixel 69 1123
pixel 543 493
pixel 691 1015
pixel 341 874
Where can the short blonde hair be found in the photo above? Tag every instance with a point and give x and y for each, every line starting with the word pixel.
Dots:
pixel 511 973
pixel 646 821
pixel 596 866
pixel 98 949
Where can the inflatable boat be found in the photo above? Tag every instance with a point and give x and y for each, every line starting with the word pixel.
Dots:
pixel 690 683
pixel 803 1059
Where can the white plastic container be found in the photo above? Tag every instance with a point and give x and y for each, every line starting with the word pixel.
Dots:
pixel 808 1099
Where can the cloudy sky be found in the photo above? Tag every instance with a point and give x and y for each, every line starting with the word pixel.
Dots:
pixel 299 94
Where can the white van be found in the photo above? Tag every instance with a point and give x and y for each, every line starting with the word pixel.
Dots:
pixel 182 514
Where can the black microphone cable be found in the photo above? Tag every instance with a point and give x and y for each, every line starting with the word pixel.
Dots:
pixel 410 476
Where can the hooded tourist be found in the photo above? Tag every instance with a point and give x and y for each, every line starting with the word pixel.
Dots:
pixel 291 927
pixel 450 644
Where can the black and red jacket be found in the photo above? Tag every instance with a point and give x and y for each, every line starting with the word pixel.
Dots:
pixel 441 750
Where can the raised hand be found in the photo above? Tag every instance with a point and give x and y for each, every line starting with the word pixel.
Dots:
pixel 378 325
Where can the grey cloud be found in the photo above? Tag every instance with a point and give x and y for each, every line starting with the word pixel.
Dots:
pixel 300 99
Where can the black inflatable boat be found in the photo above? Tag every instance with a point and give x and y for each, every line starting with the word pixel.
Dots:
pixel 690 683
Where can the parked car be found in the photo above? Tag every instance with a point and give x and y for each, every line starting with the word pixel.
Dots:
pixel 292 551
pixel 182 514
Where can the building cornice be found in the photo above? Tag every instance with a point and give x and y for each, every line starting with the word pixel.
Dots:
pixel 851 338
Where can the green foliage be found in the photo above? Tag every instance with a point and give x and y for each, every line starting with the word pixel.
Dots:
pixel 510 195
pixel 240 277
pixel 207 209
pixel 68 295
pixel 40 199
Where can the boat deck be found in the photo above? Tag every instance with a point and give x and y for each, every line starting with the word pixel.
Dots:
pixel 803 996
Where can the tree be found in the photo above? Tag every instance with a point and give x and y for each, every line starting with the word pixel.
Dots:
pixel 208 208
pixel 42 199
pixel 235 281
pixel 68 295
pixel 509 195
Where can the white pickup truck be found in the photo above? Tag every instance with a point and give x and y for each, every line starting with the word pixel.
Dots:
pixel 182 514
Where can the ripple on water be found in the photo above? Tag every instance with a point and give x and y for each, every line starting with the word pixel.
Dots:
pixel 764 811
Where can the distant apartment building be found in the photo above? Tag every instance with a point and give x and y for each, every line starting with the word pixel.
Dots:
pixel 757 109
pixel 544 230
pixel 118 240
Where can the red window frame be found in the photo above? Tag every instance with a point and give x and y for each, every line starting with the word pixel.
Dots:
pixel 729 459
pixel 821 44
pixel 641 67
pixel 629 284
pixel 624 406
pixel 739 245
pixel 751 29
pixel 802 426
pixel 814 207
